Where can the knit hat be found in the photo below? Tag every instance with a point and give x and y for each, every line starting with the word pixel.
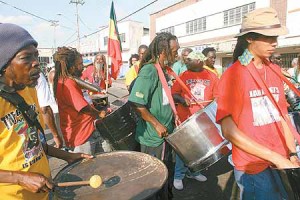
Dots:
pixel 13 38
pixel 197 56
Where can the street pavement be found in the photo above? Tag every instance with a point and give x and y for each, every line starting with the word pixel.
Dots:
pixel 219 186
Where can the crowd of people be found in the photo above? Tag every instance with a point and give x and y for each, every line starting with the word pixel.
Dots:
pixel 165 91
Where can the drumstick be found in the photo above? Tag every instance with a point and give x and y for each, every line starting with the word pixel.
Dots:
pixel 95 182
pixel 193 103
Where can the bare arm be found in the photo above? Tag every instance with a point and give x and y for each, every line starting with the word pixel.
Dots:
pixel 89 110
pixel 161 130
pixel 48 117
pixel 64 155
pixel 243 142
pixel 32 182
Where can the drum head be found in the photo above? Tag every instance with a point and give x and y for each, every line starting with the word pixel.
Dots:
pixel 141 176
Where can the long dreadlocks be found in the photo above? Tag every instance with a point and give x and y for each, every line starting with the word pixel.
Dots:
pixel 64 58
pixel 159 44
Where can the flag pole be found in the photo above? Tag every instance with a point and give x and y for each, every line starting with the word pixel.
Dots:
pixel 106 81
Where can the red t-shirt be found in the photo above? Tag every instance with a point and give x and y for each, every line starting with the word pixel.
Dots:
pixel 76 127
pixel 87 74
pixel 253 112
pixel 201 84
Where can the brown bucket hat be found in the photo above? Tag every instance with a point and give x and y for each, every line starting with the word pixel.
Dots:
pixel 264 21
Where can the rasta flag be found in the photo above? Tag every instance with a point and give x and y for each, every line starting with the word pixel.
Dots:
pixel 114 44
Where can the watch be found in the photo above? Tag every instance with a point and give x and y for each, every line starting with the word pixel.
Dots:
pixel 293 154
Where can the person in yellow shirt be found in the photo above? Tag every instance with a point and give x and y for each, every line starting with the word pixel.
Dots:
pixel 24 167
pixel 134 69
pixel 210 54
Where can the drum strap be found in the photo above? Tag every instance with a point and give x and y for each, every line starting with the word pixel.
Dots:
pixel 166 88
pixel 284 121
pixel 28 113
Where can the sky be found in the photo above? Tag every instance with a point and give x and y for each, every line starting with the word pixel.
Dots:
pixel 92 15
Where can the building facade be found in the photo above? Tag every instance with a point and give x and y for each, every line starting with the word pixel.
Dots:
pixel 211 23
pixel 132 35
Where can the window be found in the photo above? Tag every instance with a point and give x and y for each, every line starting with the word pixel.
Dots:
pixel 105 40
pixel 196 26
pixel 169 29
pixel 234 16
pixel 44 60
pixel 122 37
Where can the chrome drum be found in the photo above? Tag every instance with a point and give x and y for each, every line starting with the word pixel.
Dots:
pixel 198 140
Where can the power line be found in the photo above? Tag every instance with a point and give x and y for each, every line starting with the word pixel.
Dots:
pixel 34 15
pixel 118 20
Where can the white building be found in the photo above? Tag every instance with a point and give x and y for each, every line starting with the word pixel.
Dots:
pixel 214 23
pixel 132 35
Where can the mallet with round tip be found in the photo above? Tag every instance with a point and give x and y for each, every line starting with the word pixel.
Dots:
pixel 95 182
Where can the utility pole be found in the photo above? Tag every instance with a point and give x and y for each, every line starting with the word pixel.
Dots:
pixel 81 2
pixel 54 23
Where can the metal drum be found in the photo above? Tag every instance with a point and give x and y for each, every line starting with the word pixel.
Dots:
pixel 119 126
pixel 291 181
pixel 295 119
pixel 140 176
pixel 100 101
pixel 198 140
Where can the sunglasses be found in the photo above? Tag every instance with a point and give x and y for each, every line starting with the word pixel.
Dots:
pixel 278 58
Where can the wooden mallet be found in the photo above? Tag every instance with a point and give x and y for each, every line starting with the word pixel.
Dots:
pixel 95 182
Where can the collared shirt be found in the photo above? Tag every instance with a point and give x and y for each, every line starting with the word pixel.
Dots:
pixel 214 70
pixel 246 57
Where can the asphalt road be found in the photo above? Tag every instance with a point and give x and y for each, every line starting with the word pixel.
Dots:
pixel 219 186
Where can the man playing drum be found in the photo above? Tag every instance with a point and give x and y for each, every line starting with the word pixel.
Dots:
pixel 149 98
pixel 202 84
pixel 24 168
pixel 77 116
pixel 252 109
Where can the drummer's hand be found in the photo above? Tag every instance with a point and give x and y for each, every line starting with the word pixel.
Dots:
pixel 186 103
pixel 34 182
pixel 102 114
pixel 58 141
pixel 295 160
pixel 77 156
pixel 283 163
pixel 161 130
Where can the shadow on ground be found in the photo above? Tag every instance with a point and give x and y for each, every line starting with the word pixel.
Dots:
pixel 220 184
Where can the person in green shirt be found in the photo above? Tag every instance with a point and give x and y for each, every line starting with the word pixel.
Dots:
pixel 179 66
pixel 151 102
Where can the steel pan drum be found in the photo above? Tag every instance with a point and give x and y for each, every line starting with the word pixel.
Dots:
pixel 291 181
pixel 295 119
pixel 119 126
pixel 99 100
pixel 198 140
pixel 141 176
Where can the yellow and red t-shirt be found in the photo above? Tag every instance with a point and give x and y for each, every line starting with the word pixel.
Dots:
pixel 20 147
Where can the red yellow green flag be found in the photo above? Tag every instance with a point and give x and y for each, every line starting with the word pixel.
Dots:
pixel 114 44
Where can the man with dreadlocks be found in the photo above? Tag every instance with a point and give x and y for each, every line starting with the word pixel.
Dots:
pixel 76 115
pixel 149 98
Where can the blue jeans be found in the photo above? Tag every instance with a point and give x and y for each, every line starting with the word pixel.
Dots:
pixel 262 186
pixel 181 170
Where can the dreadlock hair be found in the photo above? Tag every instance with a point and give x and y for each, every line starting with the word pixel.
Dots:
pixel 64 58
pixel 242 44
pixel 159 44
